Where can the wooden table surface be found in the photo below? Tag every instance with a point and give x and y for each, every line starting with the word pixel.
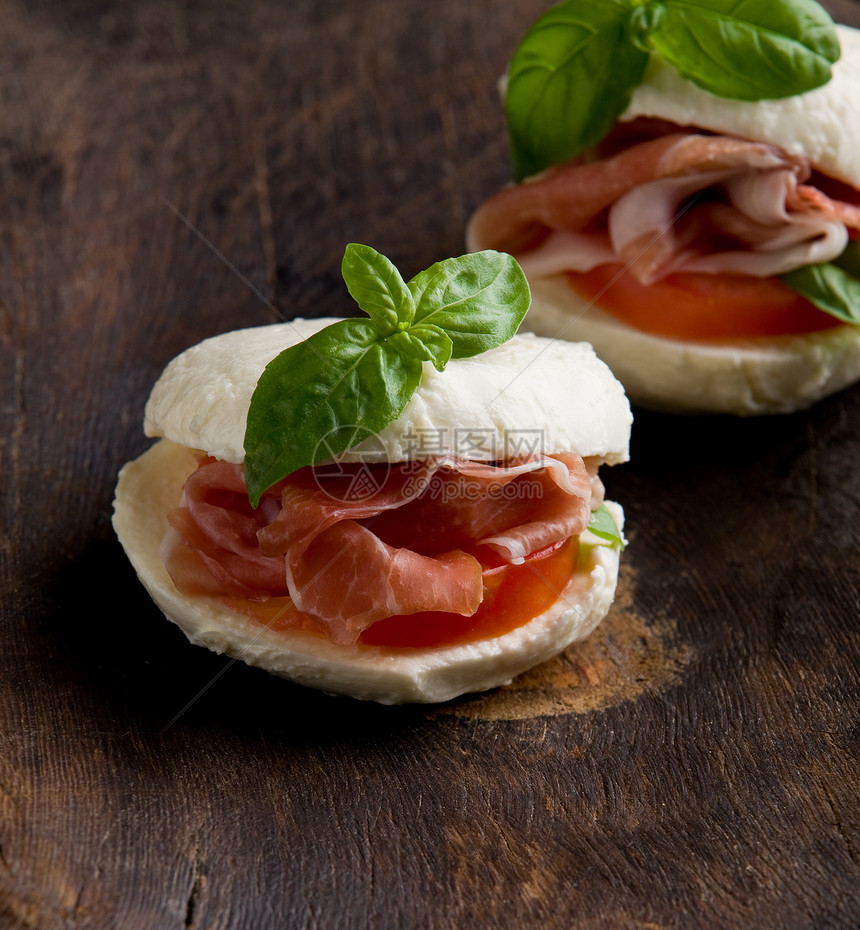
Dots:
pixel 172 170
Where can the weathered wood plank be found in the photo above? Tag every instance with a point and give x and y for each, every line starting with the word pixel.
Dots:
pixel 174 170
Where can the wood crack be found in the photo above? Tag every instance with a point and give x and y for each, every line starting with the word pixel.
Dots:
pixel 840 827
pixel 10 797
pixel 194 892
pixel 15 432
pixel 264 208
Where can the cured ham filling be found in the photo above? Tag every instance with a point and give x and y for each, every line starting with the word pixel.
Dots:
pixel 337 554
pixel 656 201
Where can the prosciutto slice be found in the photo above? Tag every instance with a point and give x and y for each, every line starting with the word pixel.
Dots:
pixel 347 560
pixel 682 201
pixel 212 544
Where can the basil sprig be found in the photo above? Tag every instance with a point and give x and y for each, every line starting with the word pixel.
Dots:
pixel 833 287
pixel 575 70
pixel 351 379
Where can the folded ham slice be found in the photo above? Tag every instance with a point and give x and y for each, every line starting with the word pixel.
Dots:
pixel 347 560
pixel 212 543
pixel 681 201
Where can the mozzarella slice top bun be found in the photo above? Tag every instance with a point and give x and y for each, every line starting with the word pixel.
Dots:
pixel 756 376
pixel 200 403
pixel 821 125
pixel 561 390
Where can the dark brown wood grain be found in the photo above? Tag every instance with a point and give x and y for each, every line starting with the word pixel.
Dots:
pixel 169 171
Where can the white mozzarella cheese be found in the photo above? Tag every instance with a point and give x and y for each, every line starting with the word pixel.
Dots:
pixel 151 485
pixel 755 376
pixel 821 125
pixel 202 399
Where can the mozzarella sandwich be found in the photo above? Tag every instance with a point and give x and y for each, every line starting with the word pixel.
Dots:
pixel 446 554
pixel 663 246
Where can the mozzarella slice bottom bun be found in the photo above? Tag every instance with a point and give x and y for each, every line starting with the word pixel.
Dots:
pixel 151 485
pixel 756 376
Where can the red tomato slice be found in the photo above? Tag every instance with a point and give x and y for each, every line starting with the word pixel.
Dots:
pixel 698 306
pixel 513 595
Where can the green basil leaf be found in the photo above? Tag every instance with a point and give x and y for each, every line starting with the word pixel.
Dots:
pixel 830 287
pixel 603 525
pixel 849 260
pixel 425 342
pixel 574 72
pixel 304 412
pixel 479 300
pixel 351 379
pixel 569 80
pixel 749 50
pixel 377 287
